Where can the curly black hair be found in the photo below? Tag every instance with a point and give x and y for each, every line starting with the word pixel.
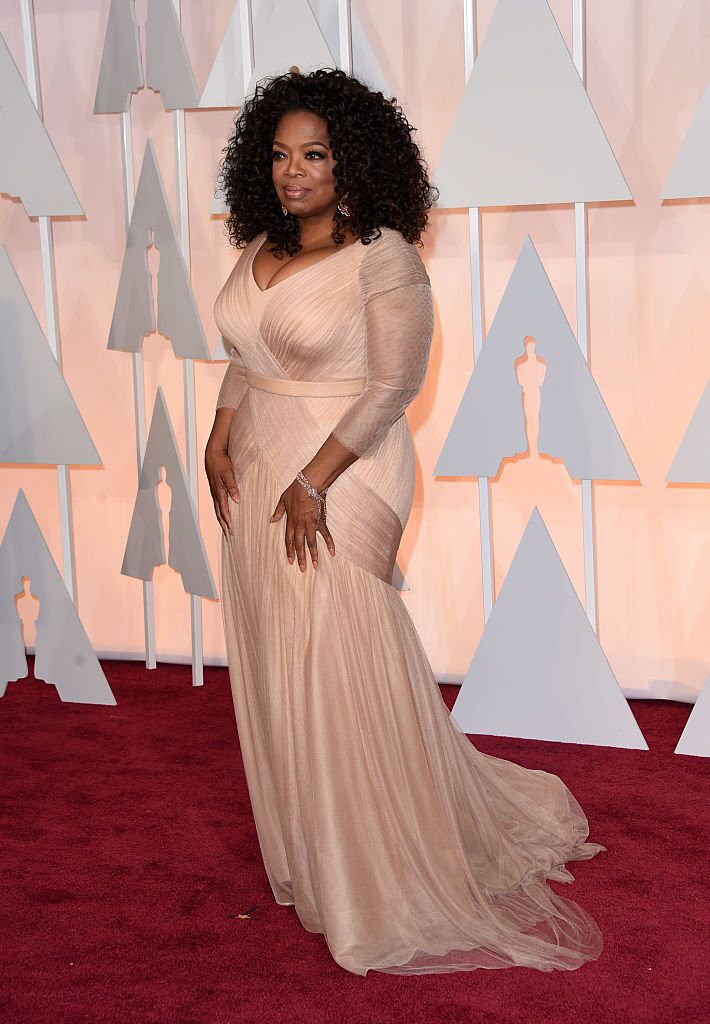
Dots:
pixel 377 163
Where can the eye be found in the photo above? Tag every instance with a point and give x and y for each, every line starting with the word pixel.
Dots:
pixel 276 153
pixel 316 152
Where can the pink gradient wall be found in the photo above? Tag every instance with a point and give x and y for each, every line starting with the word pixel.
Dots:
pixel 649 306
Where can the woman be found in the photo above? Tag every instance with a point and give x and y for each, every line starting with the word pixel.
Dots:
pixel 377 819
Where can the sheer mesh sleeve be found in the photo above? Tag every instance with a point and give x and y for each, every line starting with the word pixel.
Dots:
pixel 400 324
pixel 234 383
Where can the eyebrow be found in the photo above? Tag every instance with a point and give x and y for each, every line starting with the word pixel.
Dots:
pixel 314 143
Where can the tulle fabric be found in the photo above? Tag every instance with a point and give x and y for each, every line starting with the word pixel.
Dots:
pixel 377 819
pixel 408 848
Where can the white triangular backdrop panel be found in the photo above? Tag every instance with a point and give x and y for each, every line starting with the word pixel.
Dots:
pixel 574 425
pixel 286 33
pixel 691 464
pixel 690 175
pixel 63 653
pixel 539 671
pixel 695 738
pixel 29 166
pixel 39 420
pixel 133 316
pixel 144 547
pixel 121 71
pixel 168 68
pixel 225 84
pixel 525 132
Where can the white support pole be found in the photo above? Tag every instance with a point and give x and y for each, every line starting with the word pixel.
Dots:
pixel 29 38
pixel 476 257
pixel 246 24
pixel 188 378
pixel 129 193
pixel 582 276
pixel 345 36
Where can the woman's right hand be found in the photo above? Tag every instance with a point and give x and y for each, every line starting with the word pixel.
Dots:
pixel 223 484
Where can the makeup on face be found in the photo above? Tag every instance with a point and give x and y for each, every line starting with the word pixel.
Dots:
pixel 302 165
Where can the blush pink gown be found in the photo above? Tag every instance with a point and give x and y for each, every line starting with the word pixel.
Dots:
pixel 378 820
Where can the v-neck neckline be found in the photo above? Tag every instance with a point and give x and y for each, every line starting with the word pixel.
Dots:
pixel 285 280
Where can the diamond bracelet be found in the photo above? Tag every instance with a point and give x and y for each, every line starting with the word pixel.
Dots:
pixel 318 496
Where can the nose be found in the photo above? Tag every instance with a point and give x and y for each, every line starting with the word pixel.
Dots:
pixel 294 166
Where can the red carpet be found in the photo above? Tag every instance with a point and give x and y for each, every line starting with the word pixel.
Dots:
pixel 129 852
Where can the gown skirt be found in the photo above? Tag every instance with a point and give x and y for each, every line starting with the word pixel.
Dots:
pixel 377 819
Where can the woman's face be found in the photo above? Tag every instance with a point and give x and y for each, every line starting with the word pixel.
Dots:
pixel 302 165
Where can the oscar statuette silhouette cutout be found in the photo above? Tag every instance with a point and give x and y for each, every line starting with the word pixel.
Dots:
pixel 27 605
pixel 530 371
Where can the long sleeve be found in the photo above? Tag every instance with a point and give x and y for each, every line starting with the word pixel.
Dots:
pixel 234 383
pixel 400 324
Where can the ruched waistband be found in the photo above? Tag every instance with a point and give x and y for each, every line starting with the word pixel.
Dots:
pixel 306 388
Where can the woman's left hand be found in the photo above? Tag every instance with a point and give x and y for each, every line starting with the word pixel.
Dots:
pixel 301 513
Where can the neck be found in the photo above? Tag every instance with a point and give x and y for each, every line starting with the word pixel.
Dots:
pixel 316 231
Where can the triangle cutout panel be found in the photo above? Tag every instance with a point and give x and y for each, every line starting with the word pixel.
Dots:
pixel 574 423
pixel 133 317
pixel 690 175
pixel 225 83
pixel 168 68
pixel 39 420
pixel 121 72
pixel 144 548
pixel 539 671
pixel 63 654
pixel 691 464
pixel 398 580
pixel 695 738
pixel 221 353
pixel 29 166
pixel 286 33
pixel 525 132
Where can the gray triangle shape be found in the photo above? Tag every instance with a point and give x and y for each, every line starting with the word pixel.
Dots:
pixel 121 72
pixel 225 82
pixel 144 548
pixel 398 580
pixel 178 316
pixel 525 132
pixel 575 424
pixel 39 420
pixel 690 175
pixel 221 353
pixel 168 68
pixel 217 204
pixel 63 654
pixel 29 166
pixel 691 464
pixel 286 33
pixel 695 738
pixel 539 671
